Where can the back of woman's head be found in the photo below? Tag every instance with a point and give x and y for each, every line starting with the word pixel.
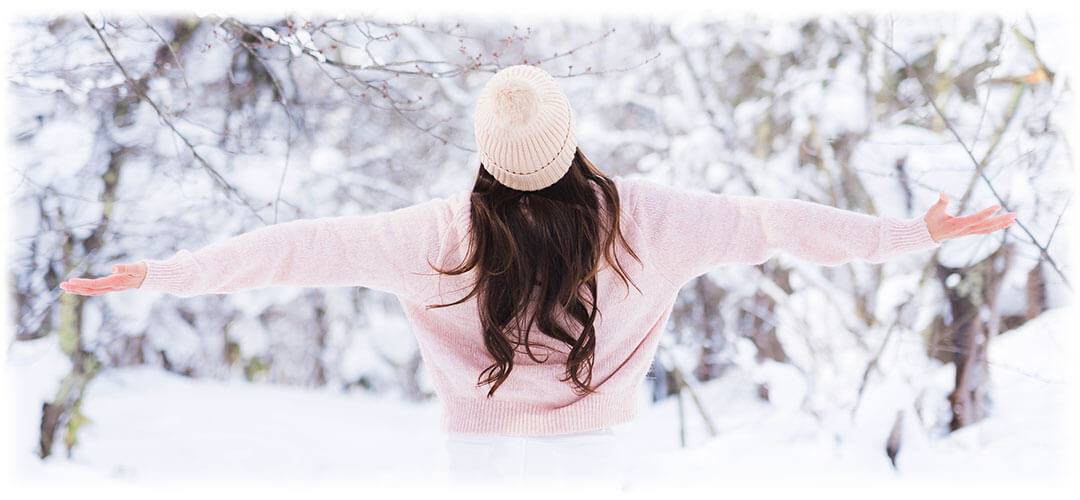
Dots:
pixel 541 247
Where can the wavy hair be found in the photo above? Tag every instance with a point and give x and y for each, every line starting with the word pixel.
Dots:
pixel 541 247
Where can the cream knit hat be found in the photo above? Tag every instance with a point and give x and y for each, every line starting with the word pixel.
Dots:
pixel 524 128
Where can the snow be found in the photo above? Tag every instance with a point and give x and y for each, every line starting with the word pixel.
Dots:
pixel 269 33
pixel 783 38
pixel 787 386
pixel 52 165
pixel 151 427
pixel 845 99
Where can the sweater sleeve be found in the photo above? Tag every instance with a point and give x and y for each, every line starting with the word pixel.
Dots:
pixel 383 251
pixel 692 231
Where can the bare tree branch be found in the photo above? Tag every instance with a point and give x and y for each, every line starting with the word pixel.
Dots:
pixel 978 165
pixel 137 88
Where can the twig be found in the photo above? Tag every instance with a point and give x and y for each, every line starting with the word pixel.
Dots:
pixel 869 368
pixel 1058 221
pixel 1000 365
pixel 986 103
pixel 284 105
pixel 683 384
pixel 176 59
pixel 978 166
pixel 135 87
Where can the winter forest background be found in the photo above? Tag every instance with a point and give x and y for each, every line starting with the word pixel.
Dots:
pixel 135 136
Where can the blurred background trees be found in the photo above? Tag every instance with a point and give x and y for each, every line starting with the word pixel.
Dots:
pixel 137 136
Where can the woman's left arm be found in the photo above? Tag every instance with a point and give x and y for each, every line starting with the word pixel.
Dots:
pixel 829 235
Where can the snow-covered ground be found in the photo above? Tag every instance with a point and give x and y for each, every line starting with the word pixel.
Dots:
pixel 151 427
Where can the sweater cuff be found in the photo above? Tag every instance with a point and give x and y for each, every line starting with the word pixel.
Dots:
pixel 165 275
pixel 907 235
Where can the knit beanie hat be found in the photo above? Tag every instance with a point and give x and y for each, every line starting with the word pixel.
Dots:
pixel 524 128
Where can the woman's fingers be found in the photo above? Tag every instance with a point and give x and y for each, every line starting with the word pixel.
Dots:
pixel 107 282
pixel 75 289
pixel 975 218
pixel 97 286
pixel 98 283
pixel 991 225
pixel 86 281
pixel 85 291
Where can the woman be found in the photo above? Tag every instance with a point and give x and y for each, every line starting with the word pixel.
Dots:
pixel 531 272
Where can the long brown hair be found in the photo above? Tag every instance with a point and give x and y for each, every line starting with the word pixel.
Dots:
pixel 546 243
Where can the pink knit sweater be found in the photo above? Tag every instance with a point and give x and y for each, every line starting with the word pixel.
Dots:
pixel 679 234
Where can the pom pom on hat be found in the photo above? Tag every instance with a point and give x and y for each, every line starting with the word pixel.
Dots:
pixel 515 104
pixel 524 128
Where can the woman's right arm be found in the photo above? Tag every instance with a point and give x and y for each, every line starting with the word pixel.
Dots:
pixel 384 251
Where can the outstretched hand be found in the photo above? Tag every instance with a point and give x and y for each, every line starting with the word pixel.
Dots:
pixel 124 277
pixel 943 226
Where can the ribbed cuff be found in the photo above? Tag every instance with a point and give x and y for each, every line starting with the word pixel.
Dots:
pixel 907 235
pixel 166 275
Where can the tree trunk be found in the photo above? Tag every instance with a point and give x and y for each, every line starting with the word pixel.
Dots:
pixel 975 320
pixel 64 410
pixel 1036 292
pixel 709 297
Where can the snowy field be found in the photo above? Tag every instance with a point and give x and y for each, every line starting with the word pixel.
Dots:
pixel 150 427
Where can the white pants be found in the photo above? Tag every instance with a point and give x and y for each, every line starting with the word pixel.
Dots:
pixel 585 458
